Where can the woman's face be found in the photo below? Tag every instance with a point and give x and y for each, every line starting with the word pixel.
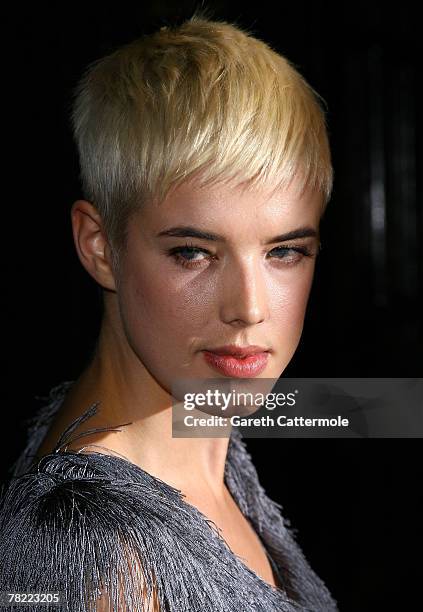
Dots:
pixel 249 284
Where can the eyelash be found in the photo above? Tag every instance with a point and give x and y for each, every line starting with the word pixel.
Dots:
pixel 175 253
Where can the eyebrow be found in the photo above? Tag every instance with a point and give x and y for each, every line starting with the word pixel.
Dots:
pixel 187 231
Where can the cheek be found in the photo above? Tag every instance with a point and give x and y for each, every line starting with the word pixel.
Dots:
pixel 157 310
pixel 288 310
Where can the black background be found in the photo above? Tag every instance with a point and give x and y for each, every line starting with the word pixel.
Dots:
pixel 356 503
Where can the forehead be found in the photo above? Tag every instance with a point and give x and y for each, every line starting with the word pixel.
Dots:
pixel 229 209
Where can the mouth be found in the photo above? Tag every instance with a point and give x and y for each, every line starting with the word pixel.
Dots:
pixel 239 352
pixel 238 362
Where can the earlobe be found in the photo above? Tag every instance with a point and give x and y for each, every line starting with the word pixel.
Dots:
pixel 91 243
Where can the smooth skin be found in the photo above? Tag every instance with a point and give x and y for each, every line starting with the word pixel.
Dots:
pixel 159 315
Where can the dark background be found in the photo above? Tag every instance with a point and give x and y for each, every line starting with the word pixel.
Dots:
pixel 356 503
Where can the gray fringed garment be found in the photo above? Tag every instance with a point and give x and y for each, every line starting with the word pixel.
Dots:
pixel 89 523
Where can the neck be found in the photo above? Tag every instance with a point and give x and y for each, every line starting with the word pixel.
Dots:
pixel 129 394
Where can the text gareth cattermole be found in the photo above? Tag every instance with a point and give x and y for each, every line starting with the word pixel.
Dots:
pixel 265 421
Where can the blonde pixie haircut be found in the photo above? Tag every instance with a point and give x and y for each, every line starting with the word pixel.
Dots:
pixel 204 100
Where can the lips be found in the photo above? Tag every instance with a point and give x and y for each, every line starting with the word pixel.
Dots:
pixel 237 362
pixel 238 351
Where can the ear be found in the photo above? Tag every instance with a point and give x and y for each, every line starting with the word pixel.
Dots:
pixel 91 243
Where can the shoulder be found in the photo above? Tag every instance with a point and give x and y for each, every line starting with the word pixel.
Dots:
pixel 87 485
pixel 75 523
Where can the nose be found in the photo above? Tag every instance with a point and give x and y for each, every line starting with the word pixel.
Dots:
pixel 244 296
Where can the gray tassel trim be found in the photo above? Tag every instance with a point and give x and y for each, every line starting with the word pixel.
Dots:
pixel 86 524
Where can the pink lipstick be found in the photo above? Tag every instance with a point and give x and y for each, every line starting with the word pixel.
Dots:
pixel 236 361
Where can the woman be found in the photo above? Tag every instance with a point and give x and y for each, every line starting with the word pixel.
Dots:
pixel 205 168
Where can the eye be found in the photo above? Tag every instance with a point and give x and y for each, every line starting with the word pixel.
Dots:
pixel 187 255
pixel 190 256
pixel 292 254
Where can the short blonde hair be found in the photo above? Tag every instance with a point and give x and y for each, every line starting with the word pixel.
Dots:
pixel 204 99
